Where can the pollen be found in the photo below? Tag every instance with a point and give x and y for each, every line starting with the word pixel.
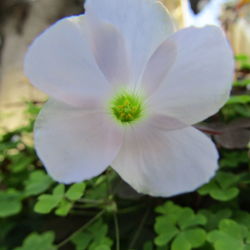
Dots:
pixel 127 107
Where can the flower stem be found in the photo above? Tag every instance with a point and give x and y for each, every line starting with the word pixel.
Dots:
pixel 130 209
pixel 117 232
pixel 138 231
pixel 83 200
pixel 80 229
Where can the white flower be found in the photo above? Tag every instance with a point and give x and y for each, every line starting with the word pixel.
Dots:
pixel 125 90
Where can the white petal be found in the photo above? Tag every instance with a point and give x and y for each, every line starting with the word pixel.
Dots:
pixel 166 163
pixel 60 63
pixel 143 23
pixel 110 51
pixel 73 144
pixel 162 122
pixel 158 66
pixel 199 82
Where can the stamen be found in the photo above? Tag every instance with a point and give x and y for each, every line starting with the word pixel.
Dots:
pixel 127 107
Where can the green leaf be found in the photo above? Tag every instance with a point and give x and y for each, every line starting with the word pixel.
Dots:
pixel 10 203
pixel 63 208
pixel 226 180
pixel 172 211
pixel 37 183
pixel 230 236
pixel 242 217
pixel 208 188
pixel 241 57
pixel 240 99
pixel 38 242
pixel 222 187
pixel 242 83
pixel 47 202
pixel 32 109
pixel 189 219
pixel 179 224
pixel 76 191
pixel 245 66
pixel 214 217
pixel 232 111
pixel 189 239
pixel 94 237
pixel 97 192
pixel 100 179
pixel 82 240
pixel 163 223
pixel 243 61
pixel 196 237
pixel 105 245
pixel 233 229
pixel 168 208
pixel 180 242
pixel 222 241
pixel 233 159
pixel 99 230
pixel 19 162
pixel 225 195
pixel 59 190
pixel 165 234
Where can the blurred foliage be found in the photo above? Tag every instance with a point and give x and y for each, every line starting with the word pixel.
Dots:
pixel 239 104
pixel 105 213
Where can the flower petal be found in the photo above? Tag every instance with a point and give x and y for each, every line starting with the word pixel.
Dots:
pixel 199 82
pixel 163 122
pixel 144 25
pixel 166 163
pixel 109 49
pixel 73 144
pixel 60 63
pixel 158 66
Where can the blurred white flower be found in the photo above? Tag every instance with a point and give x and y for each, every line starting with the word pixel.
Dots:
pixel 125 90
pixel 210 14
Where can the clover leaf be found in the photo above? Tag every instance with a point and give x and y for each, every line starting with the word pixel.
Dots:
pixel 59 199
pixel 242 217
pixel 10 203
pixel 234 159
pixel 179 226
pixel 214 217
pixel 63 208
pixel 19 162
pixel 239 99
pixel 230 236
pixel 47 202
pixel 222 187
pixel 189 239
pixel 93 238
pixel 37 183
pixel 76 191
pixel 38 242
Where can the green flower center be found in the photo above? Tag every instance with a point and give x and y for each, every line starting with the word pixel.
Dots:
pixel 127 107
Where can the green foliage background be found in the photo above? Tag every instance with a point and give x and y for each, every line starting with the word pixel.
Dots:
pixel 105 213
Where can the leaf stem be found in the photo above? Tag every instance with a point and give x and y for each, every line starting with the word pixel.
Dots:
pixel 80 229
